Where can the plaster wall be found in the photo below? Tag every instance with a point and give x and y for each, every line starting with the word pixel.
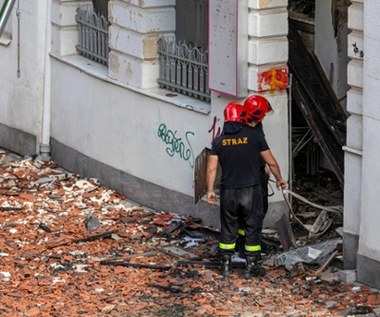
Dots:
pixel 355 96
pixel 370 222
pixel 330 46
pixel 355 16
pixel 353 190
pixel 361 247
pixel 139 134
pixel 126 129
pixel 134 32
pixel 21 77
pixel 353 175
pixel 151 3
pixel 141 18
pixel 64 26
pixel 276 131
pixel 272 50
pixel 271 22
pixel 265 4
pixel 354 136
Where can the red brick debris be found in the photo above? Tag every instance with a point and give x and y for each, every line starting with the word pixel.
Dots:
pixel 72 247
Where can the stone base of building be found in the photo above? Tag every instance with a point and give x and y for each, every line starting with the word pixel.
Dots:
pixel 136 189
pixel 17 141
pixel 146 193
pixel 367 271
pixel 350 250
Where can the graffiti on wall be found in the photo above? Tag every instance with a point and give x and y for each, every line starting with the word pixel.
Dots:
pixel 176 145
pixel 214 130
pixel 273 79
pixel 357 50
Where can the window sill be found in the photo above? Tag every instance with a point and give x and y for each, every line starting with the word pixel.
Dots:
pixel 100 71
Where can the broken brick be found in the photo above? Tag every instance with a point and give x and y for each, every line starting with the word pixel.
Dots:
pixel 54 261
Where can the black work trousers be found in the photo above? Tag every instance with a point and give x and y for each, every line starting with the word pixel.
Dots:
pixel 264 178
pixel 245 204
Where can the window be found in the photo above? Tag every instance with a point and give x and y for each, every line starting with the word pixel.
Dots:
pixel 184 58
pixel 92 34
pixel 191 23
pixel 101 7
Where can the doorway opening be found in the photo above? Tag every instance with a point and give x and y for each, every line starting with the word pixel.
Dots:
pixel 316 114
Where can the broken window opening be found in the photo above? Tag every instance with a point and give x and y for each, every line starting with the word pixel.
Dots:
pixel 317 127
pixel 183 58
pixel 302 9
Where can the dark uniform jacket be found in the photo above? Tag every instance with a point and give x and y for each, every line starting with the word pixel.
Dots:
pixel 238 150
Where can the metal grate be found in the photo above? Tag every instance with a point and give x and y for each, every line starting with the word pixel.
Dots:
pixel 92 35
pixel 183 69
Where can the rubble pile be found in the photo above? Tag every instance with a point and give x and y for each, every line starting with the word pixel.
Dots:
pixel 71 247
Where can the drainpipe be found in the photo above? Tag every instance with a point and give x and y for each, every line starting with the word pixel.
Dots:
pixel 5 11
pixel 44 151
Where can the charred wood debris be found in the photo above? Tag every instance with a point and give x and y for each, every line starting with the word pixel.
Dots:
pixel 72 247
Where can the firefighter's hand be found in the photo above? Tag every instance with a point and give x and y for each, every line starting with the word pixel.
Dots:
pixel 211 198
pixel 281 184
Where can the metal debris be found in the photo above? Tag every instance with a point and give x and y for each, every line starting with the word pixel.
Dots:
pixel 52 266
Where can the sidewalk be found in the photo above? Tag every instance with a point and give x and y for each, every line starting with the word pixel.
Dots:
pixel 72 247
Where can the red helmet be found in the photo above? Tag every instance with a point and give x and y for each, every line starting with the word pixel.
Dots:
pixel 255 108
pixel 232 111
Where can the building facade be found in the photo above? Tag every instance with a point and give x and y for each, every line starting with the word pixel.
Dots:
pixel 116 122
pixel 362 171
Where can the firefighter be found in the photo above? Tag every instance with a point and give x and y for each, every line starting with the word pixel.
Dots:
pixel 238 150
pixel 232 116
pixel 264 180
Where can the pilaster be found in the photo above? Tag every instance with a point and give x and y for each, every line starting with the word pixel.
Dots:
pixel 133 35
pixel 353 150
pixel 267 46
pixel 268 53
pixel 64 26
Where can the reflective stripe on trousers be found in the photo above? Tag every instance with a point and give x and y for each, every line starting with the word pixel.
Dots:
pixel 252 248
pixel 227 246
pixel 245 204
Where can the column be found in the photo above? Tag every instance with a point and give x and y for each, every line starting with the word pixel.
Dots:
pixel 135 29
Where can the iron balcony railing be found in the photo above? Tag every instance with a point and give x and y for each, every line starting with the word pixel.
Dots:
pixel 92 35
pixel 183 69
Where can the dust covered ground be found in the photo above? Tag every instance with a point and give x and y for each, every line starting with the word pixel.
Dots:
pixel 72 247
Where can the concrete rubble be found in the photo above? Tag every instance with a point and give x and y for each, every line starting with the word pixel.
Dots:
pixel 72 247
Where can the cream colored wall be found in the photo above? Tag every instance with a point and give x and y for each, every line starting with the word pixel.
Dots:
pixel 21 64
pixel 370 222
pixel 109 118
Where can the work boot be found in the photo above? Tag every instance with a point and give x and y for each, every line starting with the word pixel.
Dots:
pixel 226 265
pixel 253 268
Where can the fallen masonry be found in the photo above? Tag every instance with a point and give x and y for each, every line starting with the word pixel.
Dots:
pixel 72 247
